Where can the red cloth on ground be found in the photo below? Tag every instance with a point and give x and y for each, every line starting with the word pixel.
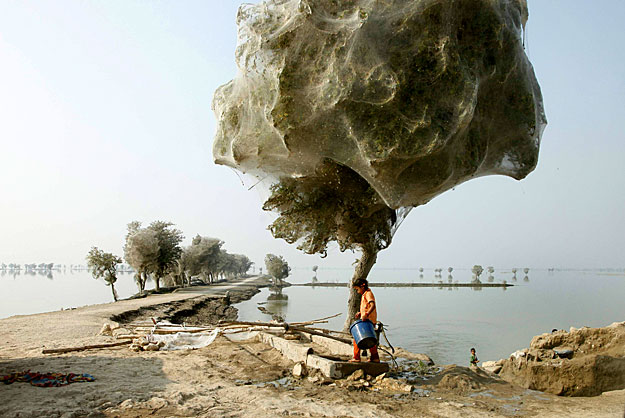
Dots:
pixel 46 379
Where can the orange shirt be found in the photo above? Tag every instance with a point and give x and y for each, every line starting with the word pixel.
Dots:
pixel 367 298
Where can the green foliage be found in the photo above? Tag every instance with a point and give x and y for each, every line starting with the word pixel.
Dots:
pixel 477 271
pixel 205 257
pixel 335 204
pixel 277 267
pixel 141 252
pixel 103 265
pixel 202 256
pixel 169 251
pixel 241 263
pixel 153 250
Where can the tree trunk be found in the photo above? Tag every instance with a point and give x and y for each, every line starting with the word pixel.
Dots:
pixel 157 282
pixel 114 292
pixel 366 262
pixel 144 280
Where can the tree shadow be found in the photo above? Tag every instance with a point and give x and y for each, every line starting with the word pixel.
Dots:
pixel 116 379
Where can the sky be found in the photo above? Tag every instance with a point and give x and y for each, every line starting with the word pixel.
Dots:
pixel 105 118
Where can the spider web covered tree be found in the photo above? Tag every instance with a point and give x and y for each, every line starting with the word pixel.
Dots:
pixel 358 111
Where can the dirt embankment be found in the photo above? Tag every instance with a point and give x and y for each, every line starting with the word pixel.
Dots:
pixel 196 311
pixel 580 362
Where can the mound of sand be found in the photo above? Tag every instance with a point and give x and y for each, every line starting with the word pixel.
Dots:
pixel 581 362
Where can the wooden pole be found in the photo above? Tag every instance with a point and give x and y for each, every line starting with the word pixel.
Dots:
pixel 321 334
pixel 84 347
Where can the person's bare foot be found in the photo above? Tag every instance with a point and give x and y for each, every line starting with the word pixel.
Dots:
pixel 354 360
pixel 377 360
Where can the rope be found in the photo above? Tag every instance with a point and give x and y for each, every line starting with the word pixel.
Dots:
pixel 379 329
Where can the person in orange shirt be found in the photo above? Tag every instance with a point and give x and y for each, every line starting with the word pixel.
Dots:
pixel 367 311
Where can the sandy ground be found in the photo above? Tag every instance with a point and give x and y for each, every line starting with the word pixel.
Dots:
pixel 235 379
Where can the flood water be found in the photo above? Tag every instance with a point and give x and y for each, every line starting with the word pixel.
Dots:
pixel 441 322
pixel 34 292
pixel 445 323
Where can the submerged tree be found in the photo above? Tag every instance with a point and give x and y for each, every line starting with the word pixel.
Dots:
pixel 277 267
pixel 103 265
pixel 477 272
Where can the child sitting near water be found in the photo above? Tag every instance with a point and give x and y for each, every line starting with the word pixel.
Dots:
pixel 474 360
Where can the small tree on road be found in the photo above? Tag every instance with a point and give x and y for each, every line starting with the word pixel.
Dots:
pixel 153 250
pixel 103 265
pixel 202 257
pixel 169 251
pixel 141 252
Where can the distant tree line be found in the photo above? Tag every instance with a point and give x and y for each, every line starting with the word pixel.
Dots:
pixel 154 253
pixel 48 267
pixel 33 266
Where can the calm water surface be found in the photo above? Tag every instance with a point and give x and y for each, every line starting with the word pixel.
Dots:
pixel 28 293
pixel 441 322
pixel 446 322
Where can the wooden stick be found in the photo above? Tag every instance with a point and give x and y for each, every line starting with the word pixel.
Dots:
pixel 321 334
pixel 237 331
pixel 328 331
pixel 235 328
pixel 173 330
pixel 84 347
pixel 296 328
pixel 275 324
pixel 144 326
pixel 317 321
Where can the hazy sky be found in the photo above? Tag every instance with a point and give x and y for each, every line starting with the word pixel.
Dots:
pixel 105 118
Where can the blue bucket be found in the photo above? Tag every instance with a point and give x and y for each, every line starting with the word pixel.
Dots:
pixel 364 334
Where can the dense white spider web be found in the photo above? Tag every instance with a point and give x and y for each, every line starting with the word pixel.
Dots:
pixel 416 96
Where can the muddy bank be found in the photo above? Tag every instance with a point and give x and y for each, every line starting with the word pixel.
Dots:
pixel 196 311
pixel 203 309
pixel 578 362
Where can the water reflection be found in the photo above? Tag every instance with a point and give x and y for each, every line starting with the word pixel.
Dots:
pixel 27 273
pixel 276 304
pixel 526 279
pixel 445 324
